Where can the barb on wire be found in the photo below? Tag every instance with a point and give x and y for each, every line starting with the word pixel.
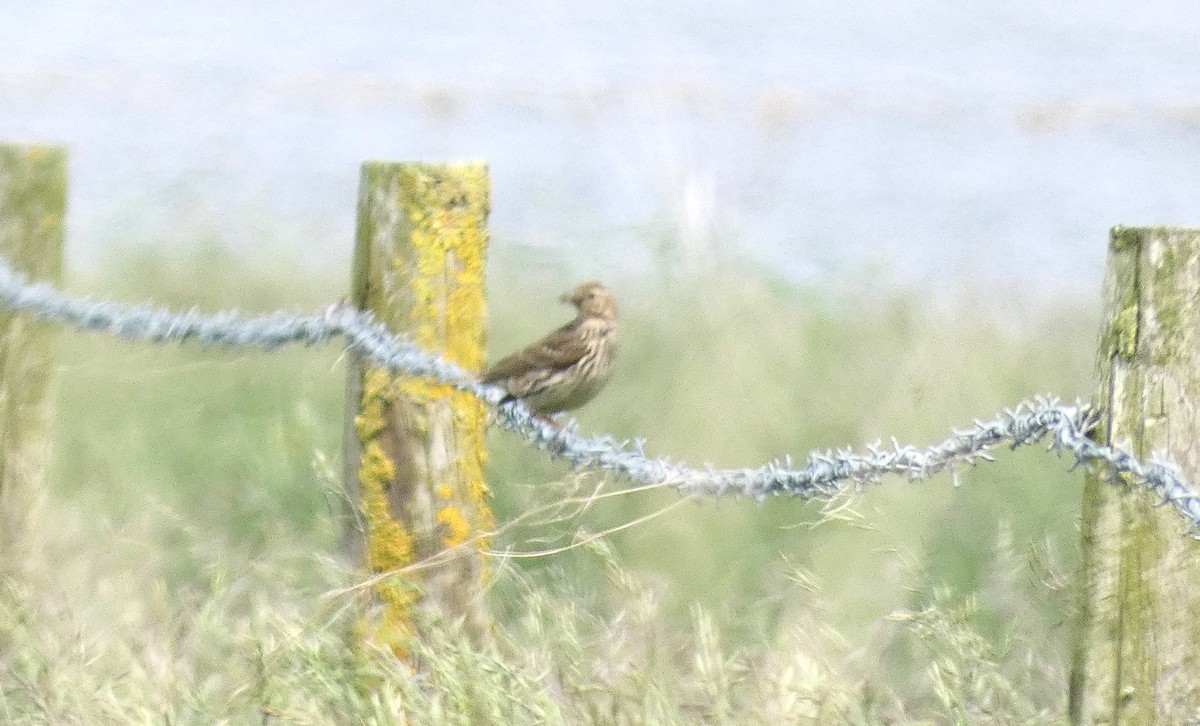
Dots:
pixel 824 475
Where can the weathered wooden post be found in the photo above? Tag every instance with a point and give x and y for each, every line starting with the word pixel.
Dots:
pixel 1136 651
pixel 415 448
pixel 33 202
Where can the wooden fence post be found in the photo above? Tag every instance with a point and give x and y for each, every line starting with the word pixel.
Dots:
pixel 415 449
pixel 33 202
pixel 1136 650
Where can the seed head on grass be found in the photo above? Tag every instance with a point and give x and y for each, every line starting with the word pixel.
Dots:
pixel 568 367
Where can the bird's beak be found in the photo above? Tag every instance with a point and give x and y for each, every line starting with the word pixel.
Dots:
pixel 568 298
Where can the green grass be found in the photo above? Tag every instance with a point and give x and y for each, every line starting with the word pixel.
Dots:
pixel 185 559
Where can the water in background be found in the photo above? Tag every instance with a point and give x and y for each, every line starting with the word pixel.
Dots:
pixel 939 145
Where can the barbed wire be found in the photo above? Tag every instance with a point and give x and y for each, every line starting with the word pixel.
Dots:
pixel 824 475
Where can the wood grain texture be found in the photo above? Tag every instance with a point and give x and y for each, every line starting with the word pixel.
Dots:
pixel 1136 653
pixel 33 202
pixel 415 448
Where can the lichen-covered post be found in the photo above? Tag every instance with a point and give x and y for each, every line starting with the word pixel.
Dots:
pixel 415 448
pixel 33 202
pixel 1136 651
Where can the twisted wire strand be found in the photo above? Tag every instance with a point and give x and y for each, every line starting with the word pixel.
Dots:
pixel 824 475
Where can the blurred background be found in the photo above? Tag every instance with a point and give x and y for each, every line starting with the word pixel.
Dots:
pixel 993 144
pixel 827 224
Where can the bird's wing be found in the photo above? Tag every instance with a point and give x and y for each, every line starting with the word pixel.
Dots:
pixel 561 349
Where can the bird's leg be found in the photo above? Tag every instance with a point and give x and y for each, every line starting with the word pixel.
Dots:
pixel 558 447
pixel 332 311
pixel 548 420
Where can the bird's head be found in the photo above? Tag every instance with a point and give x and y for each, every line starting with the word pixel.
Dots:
pixel 593 301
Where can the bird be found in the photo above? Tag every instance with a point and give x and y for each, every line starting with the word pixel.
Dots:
pixel 568 367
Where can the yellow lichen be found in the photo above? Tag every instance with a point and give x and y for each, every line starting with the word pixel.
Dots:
pixel 448 243
pixel 377 385
pixel 458 529
pixel 376 467
pixel 389 546
pixel 430 286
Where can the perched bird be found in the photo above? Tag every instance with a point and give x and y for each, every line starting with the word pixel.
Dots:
pixel 567 368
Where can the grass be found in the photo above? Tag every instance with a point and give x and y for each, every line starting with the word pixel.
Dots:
pixel 184 562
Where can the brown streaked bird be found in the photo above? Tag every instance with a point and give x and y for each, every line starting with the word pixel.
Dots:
pixel 567 368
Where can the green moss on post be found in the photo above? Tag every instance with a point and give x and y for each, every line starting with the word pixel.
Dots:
pixel 33 202
pixel 414 448
pixel 1136 651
